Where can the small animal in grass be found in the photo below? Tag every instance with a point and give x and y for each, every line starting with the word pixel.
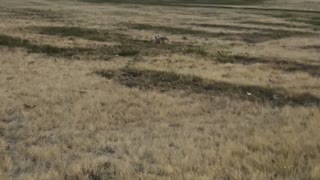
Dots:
pixel 160 39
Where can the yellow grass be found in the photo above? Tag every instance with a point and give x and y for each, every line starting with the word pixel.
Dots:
pixel 60 119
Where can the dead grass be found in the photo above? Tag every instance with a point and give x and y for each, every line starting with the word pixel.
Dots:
pixel 222 100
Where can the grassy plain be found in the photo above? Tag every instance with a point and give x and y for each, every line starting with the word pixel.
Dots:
pixel 85 93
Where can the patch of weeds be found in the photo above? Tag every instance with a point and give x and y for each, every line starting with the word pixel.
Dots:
pixel 128 47
pixel 270 34
pixel 225 26
pixel 167 81
pixel 273 24
pixel 312 47
pixel 286 163
pixel 37 14
pixel 102 171
pixel 290 66
pixel 85 33
pixel 173 30
pixel 182 2
pixel 237 28
pixel 127 50
pixel 150 48
pixel 312 19
pixel 284 15
pixel 196 50
pixel 264 35
pixel 180 31
pixel 313 70
pixel 101 52
pixel 16 126
pixel 14 42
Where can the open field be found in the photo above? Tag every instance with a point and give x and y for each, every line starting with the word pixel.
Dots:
pixel 85 92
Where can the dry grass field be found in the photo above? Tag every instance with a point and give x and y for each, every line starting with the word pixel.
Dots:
pixel 86 94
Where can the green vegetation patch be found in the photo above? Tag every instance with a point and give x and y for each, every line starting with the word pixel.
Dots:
pixel 167 81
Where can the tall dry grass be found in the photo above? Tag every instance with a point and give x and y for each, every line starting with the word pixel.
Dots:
pixel 234 99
